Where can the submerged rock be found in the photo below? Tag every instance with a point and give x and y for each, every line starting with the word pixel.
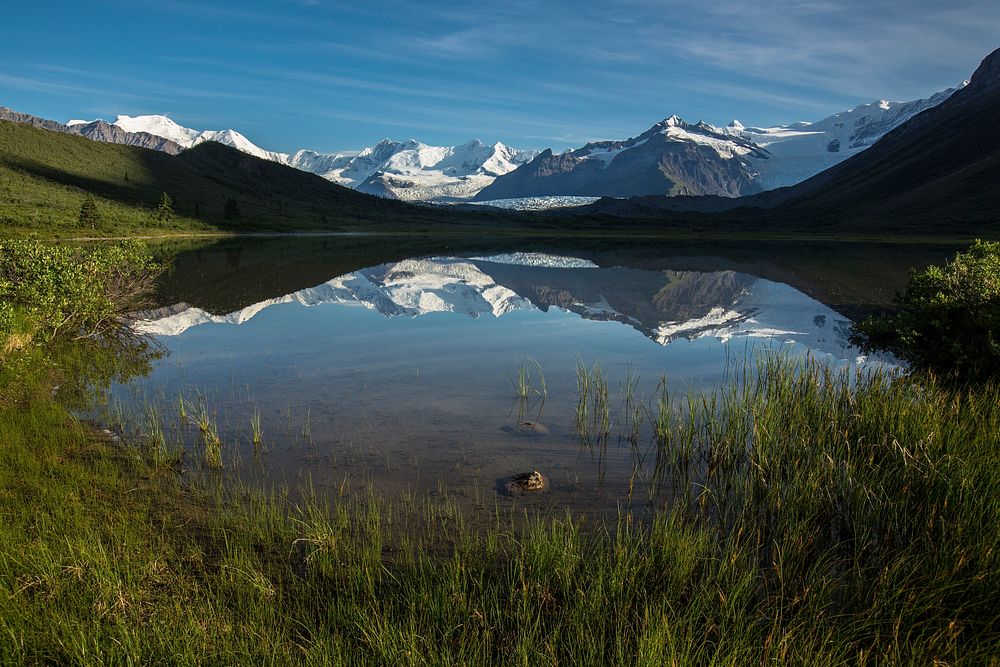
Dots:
pixel 533 427
pixel 525 482
pixel 526 429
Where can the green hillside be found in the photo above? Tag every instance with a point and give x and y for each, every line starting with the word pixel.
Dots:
pixel 45 176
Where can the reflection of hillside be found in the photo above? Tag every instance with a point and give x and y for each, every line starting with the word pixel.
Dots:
pixel 662 305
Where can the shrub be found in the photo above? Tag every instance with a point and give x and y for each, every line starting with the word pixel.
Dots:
pixel 948 319
pixel 57 291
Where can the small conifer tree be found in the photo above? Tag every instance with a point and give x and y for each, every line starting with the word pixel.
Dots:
pixel 165 210
pixel 89 216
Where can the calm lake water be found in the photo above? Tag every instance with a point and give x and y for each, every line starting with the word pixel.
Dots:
pixel 393 364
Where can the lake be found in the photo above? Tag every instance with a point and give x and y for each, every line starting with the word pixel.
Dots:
pixel 416 366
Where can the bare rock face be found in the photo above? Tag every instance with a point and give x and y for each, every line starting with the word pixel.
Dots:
pixel 525 483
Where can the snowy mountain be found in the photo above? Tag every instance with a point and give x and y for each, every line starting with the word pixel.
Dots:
pixel 678 158
pixel 161 126
pixel 394 169
pixel 673 157
pixel 416 171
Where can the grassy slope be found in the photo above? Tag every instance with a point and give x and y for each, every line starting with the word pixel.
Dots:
pixel 45 175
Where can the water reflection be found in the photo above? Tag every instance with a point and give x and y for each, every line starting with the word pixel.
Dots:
pixel 663 305
pixel 88 367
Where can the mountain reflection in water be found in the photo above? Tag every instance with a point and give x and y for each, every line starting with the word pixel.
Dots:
pixel 663 305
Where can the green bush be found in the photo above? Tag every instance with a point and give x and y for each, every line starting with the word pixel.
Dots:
pixel 948 321
pixel 52 291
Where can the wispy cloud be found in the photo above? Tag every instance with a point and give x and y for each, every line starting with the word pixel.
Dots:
pixel 524 71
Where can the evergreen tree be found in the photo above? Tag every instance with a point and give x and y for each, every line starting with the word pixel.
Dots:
pixel 89 216
pixel 165 210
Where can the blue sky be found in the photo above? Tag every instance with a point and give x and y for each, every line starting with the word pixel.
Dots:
pixel 332 75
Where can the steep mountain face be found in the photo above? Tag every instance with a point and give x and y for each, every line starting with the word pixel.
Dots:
pixel 676 158
pixel 96 130
pixel 34 121
pixel 407 170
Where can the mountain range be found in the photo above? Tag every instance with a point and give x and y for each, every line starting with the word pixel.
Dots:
pixel 673 157
pixel 47 169
pixel 407 169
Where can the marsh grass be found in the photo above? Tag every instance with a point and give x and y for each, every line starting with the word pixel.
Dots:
pixel 307 425
pixel 592 419
pixel 631 408
pixel 831 518
pixel 529 379
pixel 155 437
pixel 530 391
pixel 212 443
pixel 257 430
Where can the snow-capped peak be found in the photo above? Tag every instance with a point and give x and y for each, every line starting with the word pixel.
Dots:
pixel 160 126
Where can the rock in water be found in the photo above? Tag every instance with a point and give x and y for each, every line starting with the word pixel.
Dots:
pixel 526 482
pixel 533 427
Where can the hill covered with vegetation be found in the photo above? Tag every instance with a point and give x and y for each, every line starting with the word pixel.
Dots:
pixel 46 176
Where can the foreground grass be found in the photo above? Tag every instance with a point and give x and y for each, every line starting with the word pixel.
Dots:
pixel 826 520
